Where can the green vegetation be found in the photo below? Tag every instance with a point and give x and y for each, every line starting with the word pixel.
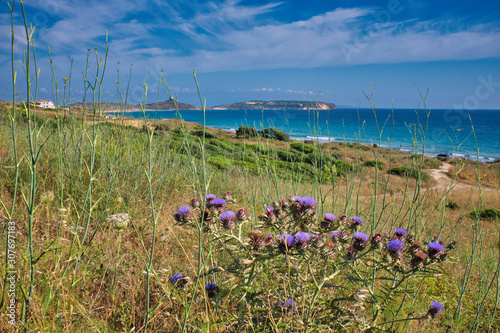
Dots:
pixel 372 164
pixel 246 132
pixel 487 214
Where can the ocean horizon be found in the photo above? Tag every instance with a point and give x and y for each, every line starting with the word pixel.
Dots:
pixel 459 133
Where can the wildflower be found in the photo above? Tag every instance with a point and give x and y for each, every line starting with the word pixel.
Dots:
pixel 269 215
pixel 301 239
pixel 356 221
pixel 228 219
pixel 435 249
pixel 395 246
pixel 288 305
pixel 218 204
pixel 241 215
pixel 335 234
pixel 195 203
pixel 209 198
pixel 179 280
pixel 375 240
pixel 343 218
pixel 401 234
pixel 229 197
pixel 211 290
pixel 418 259
pixel 436 307
pixel 307 203
pixel 120 221
pixel 328 220
pixel 286 242
pixel 360 240
pixel 183 214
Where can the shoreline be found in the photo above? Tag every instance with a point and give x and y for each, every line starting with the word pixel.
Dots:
pixel 324 139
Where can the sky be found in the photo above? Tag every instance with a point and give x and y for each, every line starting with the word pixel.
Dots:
pixel 315 50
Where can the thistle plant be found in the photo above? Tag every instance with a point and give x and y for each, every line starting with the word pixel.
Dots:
pixel 310 253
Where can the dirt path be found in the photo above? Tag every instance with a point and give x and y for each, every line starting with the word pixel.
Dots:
pixel 444 180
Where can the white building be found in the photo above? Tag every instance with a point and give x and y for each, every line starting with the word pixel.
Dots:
pixel 45 104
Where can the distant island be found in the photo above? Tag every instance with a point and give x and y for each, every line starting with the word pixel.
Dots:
pixel 171 105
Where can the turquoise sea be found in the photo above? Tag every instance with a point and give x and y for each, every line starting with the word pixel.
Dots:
pixel 452 132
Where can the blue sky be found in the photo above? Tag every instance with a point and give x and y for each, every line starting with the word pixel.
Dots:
pixel 246 50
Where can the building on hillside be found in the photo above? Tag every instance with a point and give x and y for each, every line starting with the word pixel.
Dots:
pixel 45 104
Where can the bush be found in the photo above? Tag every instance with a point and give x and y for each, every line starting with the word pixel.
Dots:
pixel 274 133
pixel 246 132
pixel 452 205
pixel 403 172
pixel 336 155
pixel 162 128
pixel 487 214
pixel 208 135
pixel 303 147
pixel 379 164
pixel 408 172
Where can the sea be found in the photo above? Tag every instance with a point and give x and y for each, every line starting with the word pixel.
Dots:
pixel 472 134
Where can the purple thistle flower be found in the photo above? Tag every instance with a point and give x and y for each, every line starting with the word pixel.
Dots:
pixel 209 198
pixel 178 280
pixel 356 221
pixel 401 233
pixel 436 308
pixel 241 215
pixel 229 197
pixel 434 249
pixel 288 305
pixel 218 203
pixel 360 240
pixel 195 203
pixel 228 219
pixel 269 214
pixel 328 220
pixel 301 239
pixel 335 234
pixel 395 246
pixel 211 290
pixel 286 242
pixel 329 217
pixel 296 198
pixel 307 203
pixel 183 214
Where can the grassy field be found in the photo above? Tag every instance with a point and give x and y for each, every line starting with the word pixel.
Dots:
pixel 168 226
pixel 90 276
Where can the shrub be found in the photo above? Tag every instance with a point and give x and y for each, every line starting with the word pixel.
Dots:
pixel 336 155
pixel 379 164
pixel 403 172
pixel 303 147
pixel 162 128
pixel 487 214
pixel 452 205
pixel 274 133
pixel 208 135
pixel 246 132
